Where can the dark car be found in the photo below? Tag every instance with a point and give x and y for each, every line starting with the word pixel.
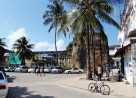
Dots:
pixel 2 68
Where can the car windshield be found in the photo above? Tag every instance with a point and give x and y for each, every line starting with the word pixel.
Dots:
pixel 1 76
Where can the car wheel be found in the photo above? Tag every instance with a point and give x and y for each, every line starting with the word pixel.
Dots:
pixel 80 72
pixel 69 72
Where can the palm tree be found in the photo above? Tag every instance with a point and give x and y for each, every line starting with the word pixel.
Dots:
pixel 2 44
pixel 51 16
pixel 2 49
pixel 23 48
pixel 87 17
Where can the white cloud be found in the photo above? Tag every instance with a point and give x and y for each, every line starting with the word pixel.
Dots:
pixel 60 45
pixel 13 36
pixel 45 46
pixel 42 46
pixel 39 46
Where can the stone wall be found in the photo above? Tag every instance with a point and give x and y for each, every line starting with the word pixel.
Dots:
pixel 79 54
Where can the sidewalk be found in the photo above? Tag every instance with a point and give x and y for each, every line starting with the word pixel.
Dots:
pixel 119 89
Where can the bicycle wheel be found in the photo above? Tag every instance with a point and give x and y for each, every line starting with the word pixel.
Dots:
pixel 105 90
pixel 91 87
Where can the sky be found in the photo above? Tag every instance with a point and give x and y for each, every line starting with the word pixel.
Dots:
pixel 24 18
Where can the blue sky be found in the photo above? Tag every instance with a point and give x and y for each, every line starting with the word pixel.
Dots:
pixel 24 18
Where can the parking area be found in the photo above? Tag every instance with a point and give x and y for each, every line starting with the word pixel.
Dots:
pixel 29 85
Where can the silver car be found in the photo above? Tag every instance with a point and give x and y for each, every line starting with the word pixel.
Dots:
pixel 57 69
pixel 74 70
pixel 21 69
pixel 3 85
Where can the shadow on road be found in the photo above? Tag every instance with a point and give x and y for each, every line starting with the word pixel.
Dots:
pixel 22 92
pixel 10 79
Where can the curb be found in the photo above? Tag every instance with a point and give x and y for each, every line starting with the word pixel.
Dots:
pixel 113 93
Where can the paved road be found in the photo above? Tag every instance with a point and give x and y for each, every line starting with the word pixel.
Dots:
pixel 28 85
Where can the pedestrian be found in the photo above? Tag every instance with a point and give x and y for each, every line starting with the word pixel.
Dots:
pixel 107 70
pixel 42 71
pixel 99 70
pixel 120 76
pixel 38 70
pixel 35 67
pixel 95 72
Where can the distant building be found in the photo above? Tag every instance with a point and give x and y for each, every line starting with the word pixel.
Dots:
pixel 112 51
pixel 48 58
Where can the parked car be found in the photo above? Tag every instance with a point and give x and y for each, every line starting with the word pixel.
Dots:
pixel 22 69
pixel 57 69
pixel 48 69
pixel 2 68
pixel 41 69
pixel 3 85
pixel 6 69
pixel 11 69
pixel 32 69
pixel 74 70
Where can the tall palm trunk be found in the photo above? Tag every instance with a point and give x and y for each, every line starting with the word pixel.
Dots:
pixel 88 57
pixel 89 68
pixel 93 50
pixel 56 46
pixel 101 48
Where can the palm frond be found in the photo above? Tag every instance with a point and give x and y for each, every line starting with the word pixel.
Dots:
pixel 107 19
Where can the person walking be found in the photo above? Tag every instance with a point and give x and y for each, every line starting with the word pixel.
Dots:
pixel 42 71
pixel 99 70
pixel 38 71
pixel 107 70
pixel 35 67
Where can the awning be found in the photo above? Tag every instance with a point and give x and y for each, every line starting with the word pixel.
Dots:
pixel 121 50
pixel 132 34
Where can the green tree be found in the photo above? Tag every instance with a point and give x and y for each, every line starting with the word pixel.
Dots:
pixel 2 49
pixel 87 17
pixel 51 16
pixel 23 48
pixel 2 43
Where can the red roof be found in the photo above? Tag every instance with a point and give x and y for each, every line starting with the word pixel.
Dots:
pixel 121 50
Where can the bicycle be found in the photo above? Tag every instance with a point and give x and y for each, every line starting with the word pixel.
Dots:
pixel 99 87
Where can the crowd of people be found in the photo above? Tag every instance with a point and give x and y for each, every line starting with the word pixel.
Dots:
pixel 98 72
pixel 39 70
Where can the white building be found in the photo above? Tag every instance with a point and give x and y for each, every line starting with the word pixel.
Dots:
pixel 127 40
pixel 112 51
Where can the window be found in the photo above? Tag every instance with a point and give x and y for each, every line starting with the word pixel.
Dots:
pixel 24 67
pixel 75 68
pixel 1 76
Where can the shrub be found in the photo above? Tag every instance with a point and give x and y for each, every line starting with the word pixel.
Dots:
pixel 67 67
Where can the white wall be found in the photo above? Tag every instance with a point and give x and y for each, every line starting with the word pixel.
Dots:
pixel 133 53
pixel 128 67
pixel 130 55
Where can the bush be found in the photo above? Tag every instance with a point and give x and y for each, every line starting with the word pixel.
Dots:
pixel 67 67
